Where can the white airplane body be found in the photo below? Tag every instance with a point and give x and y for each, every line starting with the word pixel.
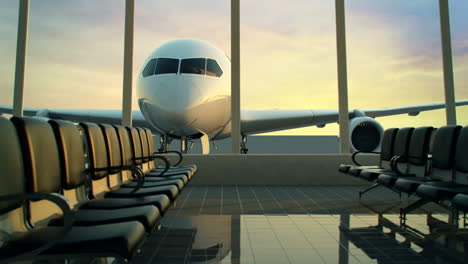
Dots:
pixel 190 100
pixel 183 91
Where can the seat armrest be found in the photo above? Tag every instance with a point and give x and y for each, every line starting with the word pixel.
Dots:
pixel 68 217
pixel 353 157
pixel 394 164
pixel 166 161
pixel 171 151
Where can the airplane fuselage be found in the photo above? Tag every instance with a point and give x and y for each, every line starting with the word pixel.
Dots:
pixel 183 89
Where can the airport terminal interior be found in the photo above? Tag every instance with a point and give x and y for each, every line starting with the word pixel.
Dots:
pixel 84 187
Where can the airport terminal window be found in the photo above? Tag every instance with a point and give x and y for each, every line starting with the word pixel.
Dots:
pixel 167 66
pixel 149 69
pixel 213 69
pixel 193 66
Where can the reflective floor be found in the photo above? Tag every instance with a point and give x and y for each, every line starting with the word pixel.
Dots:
pixel 301 225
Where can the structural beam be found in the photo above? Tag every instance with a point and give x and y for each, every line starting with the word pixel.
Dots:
pixel 235 76
pixel 21 47
pixel 449 85
pixel 128 63
pixel 343 119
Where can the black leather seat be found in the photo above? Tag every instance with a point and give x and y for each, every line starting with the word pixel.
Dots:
pixel 119 150
pixel 386 155
pixel 68 133
pixel 446 190
pixel 192 168
pixel 443 149
pixel 401 146
pixel 99 168
pixel 143 158
pixel 111 240
pixel 65 157
pixel 415 159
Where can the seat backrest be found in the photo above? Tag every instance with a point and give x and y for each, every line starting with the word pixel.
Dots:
pixel 136 145
pixel 149 136
pixel 418 151
pixel 443 152
pixel 11 166
pixel 461 158
pixel 125 146
pixel 72 154
pixel 401 146
pixel 386 150
pixel 113 149
pixel 144 144
pixel 40 154
pixel 97 152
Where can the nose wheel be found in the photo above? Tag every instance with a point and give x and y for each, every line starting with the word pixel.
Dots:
pixel 164 142
pixel 244 148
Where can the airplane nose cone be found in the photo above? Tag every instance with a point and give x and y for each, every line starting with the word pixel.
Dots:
pixel 176 95
pixel 168 101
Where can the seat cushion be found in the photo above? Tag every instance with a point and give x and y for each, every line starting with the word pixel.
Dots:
pixel 157 173
pixel 344 168
pixel 171 191
pixel 160 201
pixel 460 201
pixel 120 239
pixel 409 184
pixel 148 215
pixel 436 191
pixel 371 174
pixel 177 182
pixel 387 179
pixel 184 178
pixel 356 170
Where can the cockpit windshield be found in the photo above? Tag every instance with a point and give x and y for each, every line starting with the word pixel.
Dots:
pixel 199 66
pixel 149 69
pixel 167 66
pixel 193 66
pixel 213 69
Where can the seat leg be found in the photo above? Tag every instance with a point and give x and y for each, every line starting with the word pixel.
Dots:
pixel 375 185
pixel 465 224
pixel 453 218
pixel 409 208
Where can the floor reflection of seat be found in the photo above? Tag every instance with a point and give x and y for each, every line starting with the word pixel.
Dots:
pixel 444 244
pixel 380 246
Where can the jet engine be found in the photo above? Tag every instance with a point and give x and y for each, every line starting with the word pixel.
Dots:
pixel 366 134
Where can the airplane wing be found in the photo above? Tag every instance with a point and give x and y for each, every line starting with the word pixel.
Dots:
pixel 262 121
pixel 76 115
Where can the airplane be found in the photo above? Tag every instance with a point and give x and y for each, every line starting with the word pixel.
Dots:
pixel 183 91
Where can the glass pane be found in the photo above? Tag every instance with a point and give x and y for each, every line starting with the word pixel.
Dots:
pixel 8 31
pixel 213 69
pixel 149 69
pixel 459 24
pixel 394 58
pixel 166 66
pixel 288 62
pixel 193 66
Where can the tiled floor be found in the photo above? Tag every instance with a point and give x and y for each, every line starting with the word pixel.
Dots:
pixel 300 225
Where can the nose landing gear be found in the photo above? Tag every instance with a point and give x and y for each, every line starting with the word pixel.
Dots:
pixel 164 142
pixel 243 145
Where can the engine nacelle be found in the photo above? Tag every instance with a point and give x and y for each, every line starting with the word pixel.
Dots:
pixel 366 134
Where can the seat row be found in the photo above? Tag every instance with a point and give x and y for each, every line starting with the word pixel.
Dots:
pixel 427 162
pixel 43 159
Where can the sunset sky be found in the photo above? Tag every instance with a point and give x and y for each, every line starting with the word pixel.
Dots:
pixel 288 52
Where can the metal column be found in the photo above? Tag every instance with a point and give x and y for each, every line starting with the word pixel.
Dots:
pixel 128 63
pixel 342 77
pixel 21 47
pixel 235 76
pixel 450 111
